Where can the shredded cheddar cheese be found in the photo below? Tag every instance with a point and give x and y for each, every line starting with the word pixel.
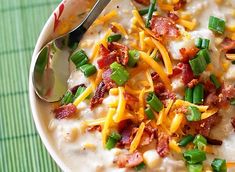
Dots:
pixel 82 97
pixel 120 28
pixel 107 124
pixel 121 106
pixel 141 105
pixel 177 120
pixel 188 24
pixel 161 116
pixel 185 103
pixel 93 122
pixel 137 138
pixel 141 35
pixel 209 113
pixel 174 146
pixel 157 68
pixel 103 19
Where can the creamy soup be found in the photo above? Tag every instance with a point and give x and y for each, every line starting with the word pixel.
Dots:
pixel 155 97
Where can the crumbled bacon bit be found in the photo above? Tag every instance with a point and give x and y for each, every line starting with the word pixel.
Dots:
pixel 121 50
pixel 114 29
pixel 127 135
pixel 131 101
pixel 94 128
pixel 65 111
pixel 181 109
pixel 129 160
pixel 173 16
pixel 144 2
pixel 179 5
pixel 204 126
pixel 107 79
pixel 212 99
pixel 163 144
pixel 193 83
pixel 209 86
pixel 107 57
pixel 233 123
pixel 148 135
pixel 214 141
pixel 228 44
pixel 164 27
pixel 99 95
pixel 187 54
pixel 185 71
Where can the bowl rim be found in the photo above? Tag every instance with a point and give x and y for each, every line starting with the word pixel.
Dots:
pixel 33 99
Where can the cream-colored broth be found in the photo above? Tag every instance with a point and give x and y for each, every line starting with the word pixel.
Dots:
pixel 83 151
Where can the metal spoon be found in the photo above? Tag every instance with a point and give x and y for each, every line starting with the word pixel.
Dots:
pixel 51 70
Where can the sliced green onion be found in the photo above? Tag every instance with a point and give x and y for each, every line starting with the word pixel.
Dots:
pixel 140 167
pixel 219 165
pixel 198 65
pixel 198 42
pixel 205 43
pixel 114 38
pixel 188 95
pixel 194 156
pixel 119 74
pixel 116 136
pixel 200 142
pixel 205 54
pixel 154 102
pixel 149 113
pixel 216 24
pixel 79 58
pixel 195 167
pixel 232 101
pixel 193 114
pixel 186 140
pixel 68 98
pixel 88 69
pixel 145 11
pixel 79 91
pixel 112 140
pixel 150 12
pixel 134 56
pixel 119 77
pixel 198 94
pixel 215 81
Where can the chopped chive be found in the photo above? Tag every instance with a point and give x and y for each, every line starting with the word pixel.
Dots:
pixel 79 58
pixel 200 142
pixel 205 54
pixel 134 56
pixel 112 140
pixel 215 81
pixel 194 156
pixel 216 24
pixel 114 38
pixel 150 13
pixel 119 74
pixel 68 98
pixel 188 95
pixel 198 65
pixel 198 94
pixel 205 43
pixel 195 167
pixel 232 101
pixel 149 113
pixel 140 167
pixel 88 69
pixel 193 114
pixel 219 165
pixel 79 91
pixel 186 140
pixel 116 136
pixel 145 11
pixel 154 102
pixel 198 42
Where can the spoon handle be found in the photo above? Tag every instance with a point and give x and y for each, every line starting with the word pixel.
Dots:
pixel 76 34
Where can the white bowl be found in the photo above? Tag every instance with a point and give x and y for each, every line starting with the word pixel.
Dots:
pixel 41 110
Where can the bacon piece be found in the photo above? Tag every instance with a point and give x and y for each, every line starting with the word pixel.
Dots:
pixel 228 92
pixel 107 57
pixel 127 135
pixel 187 54
pixel 185 71
pixel 228 44
pixel 65 111
pixel 214 141
pixel 193 83
pixel 148 135
pixel 209 86
pixel 129 160
pixel 131 101
pixel 114 29
pixel 179 5
pixel 99 95
pixel 181 109
pixel 204 126
pixel 94 128
pixel 212 99
pixel 172 16
pixel 107 79
pixel 233 123
pixel 121 51
pixel 144 2
pixel 163 144
pixel 164 27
